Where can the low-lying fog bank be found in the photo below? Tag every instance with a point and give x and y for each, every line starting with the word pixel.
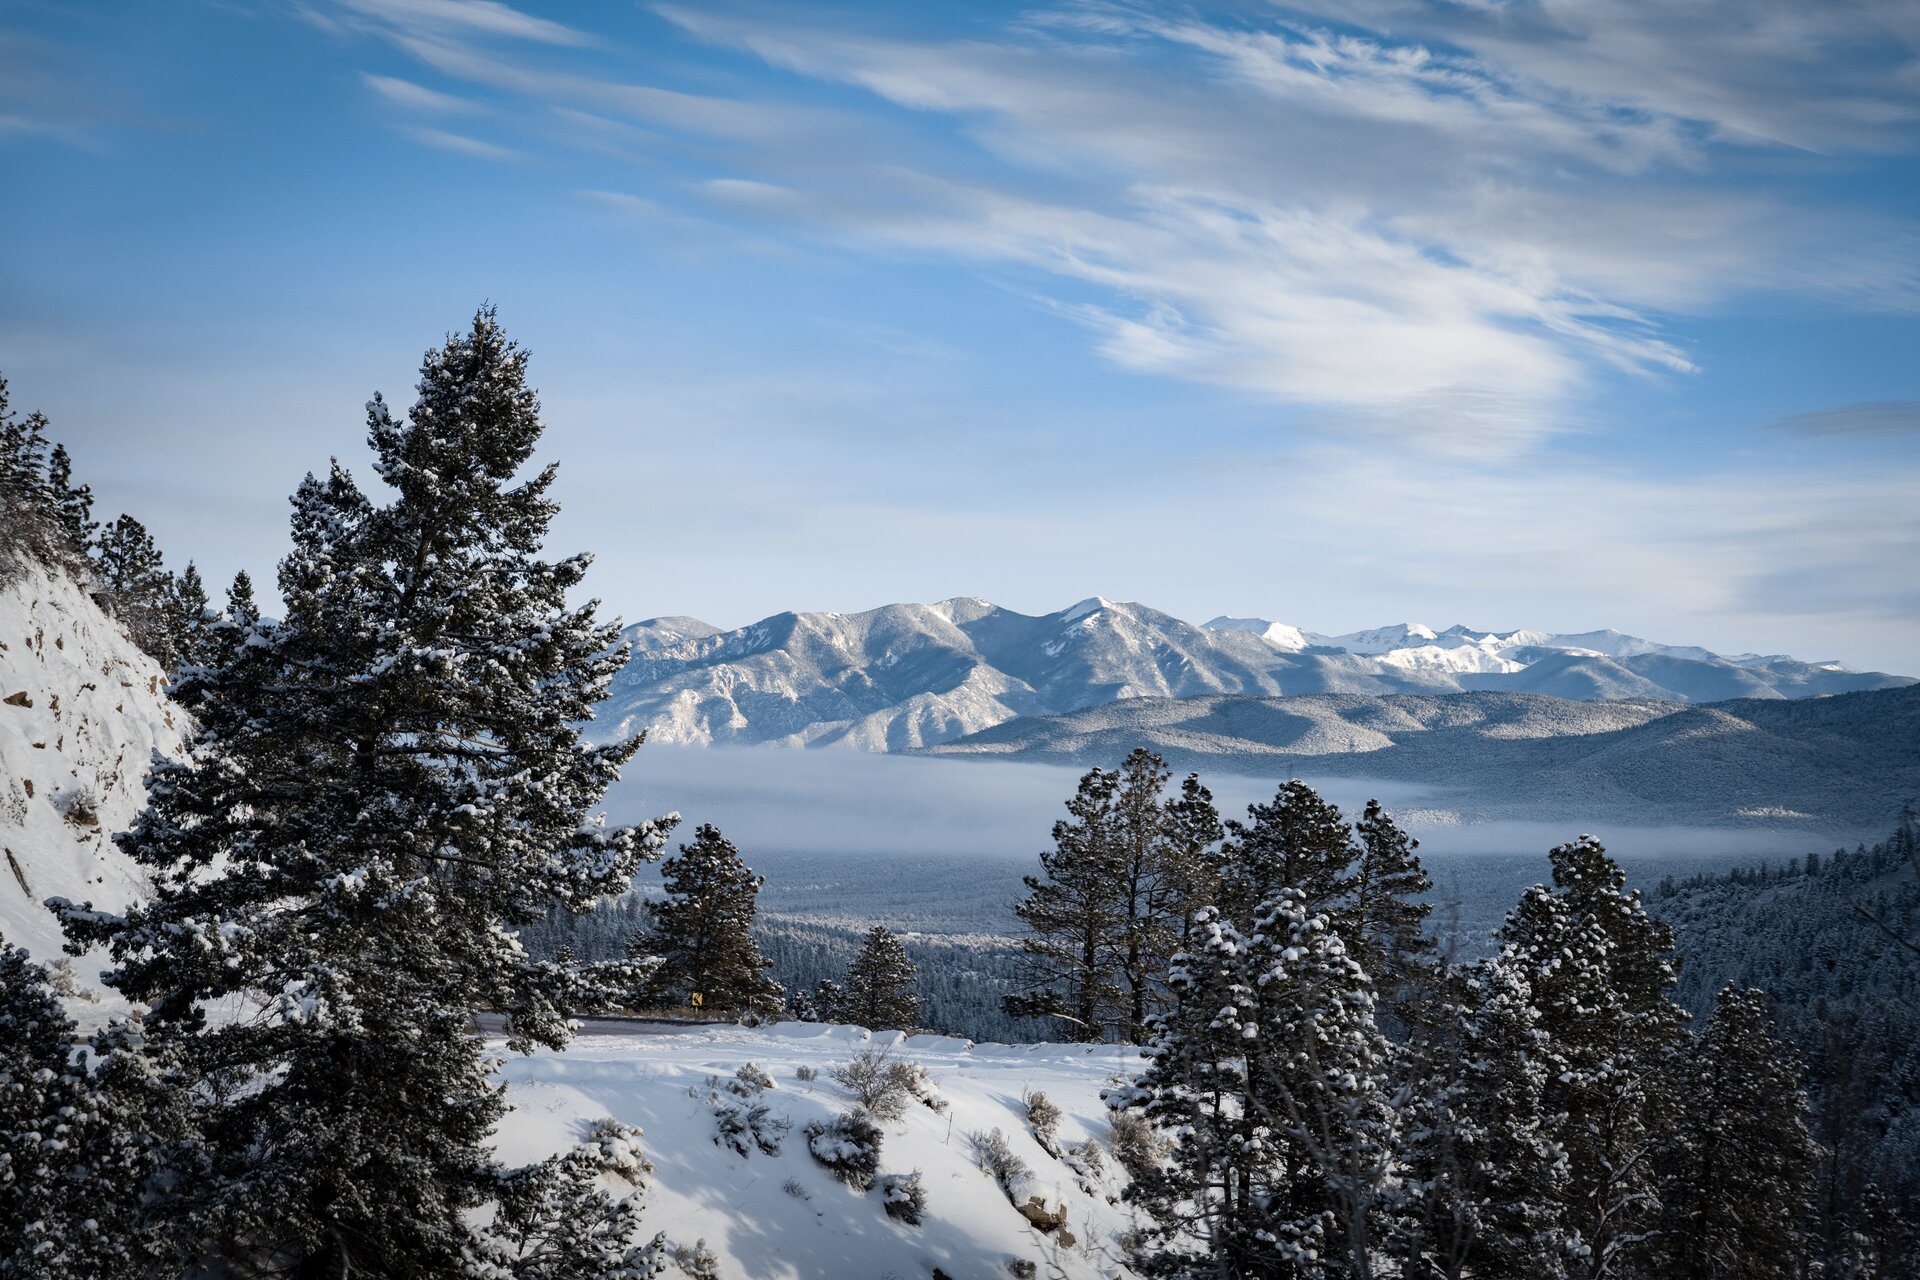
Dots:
pixel 782 801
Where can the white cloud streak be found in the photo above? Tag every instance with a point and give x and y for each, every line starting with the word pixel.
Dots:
pixel 1457 224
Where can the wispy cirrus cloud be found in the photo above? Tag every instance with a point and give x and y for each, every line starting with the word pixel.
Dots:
pixel 460 144
pixel 1874 418
pixel 409 96
pixel 458 18
pixel 1399 219
pixel 1820 77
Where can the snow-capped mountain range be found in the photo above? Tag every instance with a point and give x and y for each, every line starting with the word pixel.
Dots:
pixel 906 676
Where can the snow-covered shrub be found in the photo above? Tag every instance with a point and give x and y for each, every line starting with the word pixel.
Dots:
pixel 1022 1268
pixel 1086 1159
pixel 1137 1145
pixel 807 1073
pixel 995 1155
pixel 905 1197
pixel 848 1146
pixel 793 1188
pixel 742 1127
pixel 696 1261
pixel 1043 1117
pixel 751 1079
pixel 79 804
pixel 926 1091
pixel 886 1086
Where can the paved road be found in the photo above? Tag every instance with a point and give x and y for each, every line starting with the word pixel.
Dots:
pixel 495 1024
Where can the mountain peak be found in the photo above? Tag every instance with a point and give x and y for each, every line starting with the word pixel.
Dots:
pixel 1091 605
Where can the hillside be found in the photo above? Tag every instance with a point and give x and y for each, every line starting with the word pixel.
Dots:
pixel 82 711
pixel 907 676
pixel 1847 761
pixel 782 1215
pixel 1843 992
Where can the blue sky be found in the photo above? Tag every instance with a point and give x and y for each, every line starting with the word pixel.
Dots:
pixel 1546 314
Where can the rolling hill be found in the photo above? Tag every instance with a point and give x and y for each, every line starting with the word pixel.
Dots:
pixel 1847 761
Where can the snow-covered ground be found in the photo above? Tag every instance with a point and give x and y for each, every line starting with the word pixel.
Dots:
pixel 771 1216
pixel 82 712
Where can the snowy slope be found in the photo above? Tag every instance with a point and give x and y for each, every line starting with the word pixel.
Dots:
pixel 906 676
pixel 87 711
pixel 742 1207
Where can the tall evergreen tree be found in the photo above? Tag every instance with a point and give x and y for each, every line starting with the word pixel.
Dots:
pixel 134 585
pixel 1193 834
pixel 241 609
pixel 29 513
pixel 1297 841
pixel 73 504
pixel 702 934
pixel 1271 1074
pixel 1072 911
pixel 383 785
pixel 880 985
pixel 1486 1184
pixel 1738 1185
pixel 191 618
pixel 1197 1204
pixel 1125 874
pixel 1389 913
pixel 1599 970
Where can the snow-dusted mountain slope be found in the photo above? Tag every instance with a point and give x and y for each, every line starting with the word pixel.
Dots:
pixel 1844 763
pixel 82 711
pixel 775 1217
pixel 910 675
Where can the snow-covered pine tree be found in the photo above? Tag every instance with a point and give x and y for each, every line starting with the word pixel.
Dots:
pixel 241 609
pixel 1599 971
pixel 702 932
pixel 190 617
pixel 1737 1185
pixel 1319 1077
pixel 1168 864
pixel 880 984
pixel 1072 911
pixel 1485 1184
pixel 1197 1204
pixel 1389 914
pixel 36 499
pixel 382 786
pixel 1273 1079
pixel 73 504
pixel 1298 841
pixel 83 1130
pixel 1126 871
pixel 134 585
